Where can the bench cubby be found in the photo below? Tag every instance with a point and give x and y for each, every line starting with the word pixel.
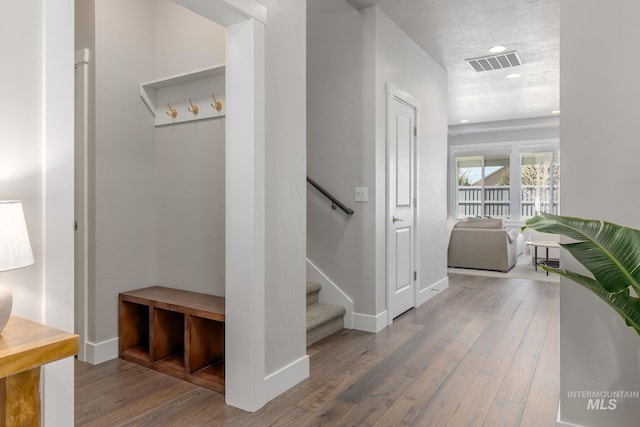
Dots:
pixel 179 333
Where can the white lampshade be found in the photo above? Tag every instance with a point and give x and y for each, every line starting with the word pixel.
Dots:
pixel 15 249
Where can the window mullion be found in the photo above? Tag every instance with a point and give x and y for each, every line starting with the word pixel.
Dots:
pixel 482 201
pixel 515 179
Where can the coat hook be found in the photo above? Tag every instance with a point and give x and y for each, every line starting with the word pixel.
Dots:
pixel 193 109
pixel 216 104
pixel 172 111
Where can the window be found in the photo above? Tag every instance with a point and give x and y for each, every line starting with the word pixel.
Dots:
pixel 505 180
pixel 483 186
pixel 469 186
pixel 540 188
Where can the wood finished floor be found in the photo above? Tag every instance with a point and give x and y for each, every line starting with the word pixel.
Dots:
pixel 483 353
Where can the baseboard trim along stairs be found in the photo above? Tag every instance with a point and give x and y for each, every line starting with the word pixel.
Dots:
pixel 322 319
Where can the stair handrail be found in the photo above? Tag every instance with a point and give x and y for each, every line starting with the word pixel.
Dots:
pixel 335 203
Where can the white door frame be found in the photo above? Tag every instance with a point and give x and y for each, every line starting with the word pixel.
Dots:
pixel 81 212
pixel 395 92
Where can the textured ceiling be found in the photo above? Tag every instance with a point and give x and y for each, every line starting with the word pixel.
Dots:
pixel 454 30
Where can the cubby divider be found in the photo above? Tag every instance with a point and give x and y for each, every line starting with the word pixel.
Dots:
pixel 180 333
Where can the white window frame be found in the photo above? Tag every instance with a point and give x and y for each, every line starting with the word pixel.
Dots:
pixel 482 157
pixel 552 157
pixel 514 149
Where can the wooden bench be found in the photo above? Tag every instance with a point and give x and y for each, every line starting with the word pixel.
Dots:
pixel 179 333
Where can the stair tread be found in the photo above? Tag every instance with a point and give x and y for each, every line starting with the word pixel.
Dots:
pixel 319 313
pixel 313 287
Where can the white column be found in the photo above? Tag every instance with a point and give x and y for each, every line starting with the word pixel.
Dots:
pixel 58 242
pixel 245 216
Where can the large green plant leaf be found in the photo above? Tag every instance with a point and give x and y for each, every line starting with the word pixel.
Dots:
pixel 623 303
pixel 609 251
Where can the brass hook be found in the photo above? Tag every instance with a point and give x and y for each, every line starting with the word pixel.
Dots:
pixel 193 109
pixel 172 111
pixel 216 104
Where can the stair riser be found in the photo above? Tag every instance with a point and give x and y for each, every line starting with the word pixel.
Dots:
pixel 324 330
pixel 313 297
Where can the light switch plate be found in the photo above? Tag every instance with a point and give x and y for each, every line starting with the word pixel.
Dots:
pixel 362 194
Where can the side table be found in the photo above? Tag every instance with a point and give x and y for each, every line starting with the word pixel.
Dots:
pixel 24 347
pixel 543 244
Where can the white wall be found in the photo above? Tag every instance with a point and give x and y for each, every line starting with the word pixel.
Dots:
pixel 537 128
pixel 347 71
pixel 84 24
pixel 340 150
pixel 190 159
pixel 36 155
pixel 190 214
pixel 124 158
pixel 285 186
pixel 185 40
pixel 401 62
pixel 21 144
pixel 599 144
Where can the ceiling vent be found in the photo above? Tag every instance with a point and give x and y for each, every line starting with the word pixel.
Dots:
pixel 495 62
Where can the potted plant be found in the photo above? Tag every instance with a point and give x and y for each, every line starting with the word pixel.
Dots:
pixel 610 252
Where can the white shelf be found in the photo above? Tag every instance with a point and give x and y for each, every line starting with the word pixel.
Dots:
pixel 176 90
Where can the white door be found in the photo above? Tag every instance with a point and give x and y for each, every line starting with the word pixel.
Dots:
pixel 401 213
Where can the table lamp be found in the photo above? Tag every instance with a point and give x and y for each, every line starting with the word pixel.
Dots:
pixel 15 250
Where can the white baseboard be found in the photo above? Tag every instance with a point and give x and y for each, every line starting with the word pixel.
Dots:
pixel 563 424
pixel 368 323
pixel 275 383
pixel 97 353
pixel 432 290
pixel 285 378
pixel 331 293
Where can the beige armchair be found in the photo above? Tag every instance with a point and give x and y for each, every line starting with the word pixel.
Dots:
pixel 483 244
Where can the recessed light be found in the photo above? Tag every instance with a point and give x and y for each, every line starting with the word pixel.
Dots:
pixel 555 112
pixel 464 121
pixel 513 76
pixel 497 49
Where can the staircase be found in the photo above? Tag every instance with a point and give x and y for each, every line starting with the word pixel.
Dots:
pixel 322 319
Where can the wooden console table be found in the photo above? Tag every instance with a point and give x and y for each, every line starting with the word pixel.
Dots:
pixel 24 347
pixel 179 333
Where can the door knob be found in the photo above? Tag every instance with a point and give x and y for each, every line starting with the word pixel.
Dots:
pixel 395 219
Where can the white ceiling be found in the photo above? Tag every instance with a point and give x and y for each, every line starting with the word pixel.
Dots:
pixel 454 30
